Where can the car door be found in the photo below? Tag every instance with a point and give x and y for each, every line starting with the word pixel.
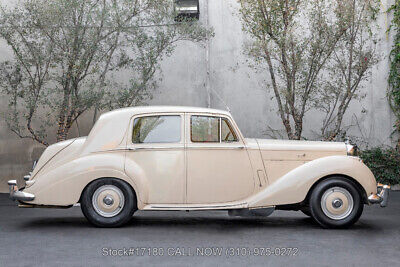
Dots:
pixel 218 165
pixel 156 148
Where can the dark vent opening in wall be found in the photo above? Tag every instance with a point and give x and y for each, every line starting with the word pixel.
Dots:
pixel 187 10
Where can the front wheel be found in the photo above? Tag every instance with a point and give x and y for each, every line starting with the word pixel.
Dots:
pixel 108 202
pixel 336 203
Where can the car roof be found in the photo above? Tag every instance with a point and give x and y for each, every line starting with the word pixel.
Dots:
pixel 110 129
pixel 161 109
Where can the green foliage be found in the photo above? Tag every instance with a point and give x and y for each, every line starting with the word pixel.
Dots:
pixel 318 54
pixel 72 56
pixel 394 74
pixel 384 163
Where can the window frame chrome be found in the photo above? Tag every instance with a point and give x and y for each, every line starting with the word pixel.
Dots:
pixel 156 145
pixel 220 118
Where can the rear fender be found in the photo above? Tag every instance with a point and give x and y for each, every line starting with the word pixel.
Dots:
pixel 64 185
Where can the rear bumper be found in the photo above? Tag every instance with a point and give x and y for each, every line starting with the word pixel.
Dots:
pixel 15 194
pixel 382 197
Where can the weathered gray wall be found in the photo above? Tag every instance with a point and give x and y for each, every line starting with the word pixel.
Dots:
pixel 194 70
pixel 244 91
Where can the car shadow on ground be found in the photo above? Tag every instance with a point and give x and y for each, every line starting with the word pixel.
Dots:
pixel 373 221
pixel 233 223
pixel 199 223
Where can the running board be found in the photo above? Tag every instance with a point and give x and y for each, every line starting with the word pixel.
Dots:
pixel 43 206
pixel 240 205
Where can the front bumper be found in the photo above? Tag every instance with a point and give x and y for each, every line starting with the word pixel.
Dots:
pixel 15 194
pixel 382 197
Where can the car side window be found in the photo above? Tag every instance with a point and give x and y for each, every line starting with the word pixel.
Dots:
pixel 227 132
pixel 211 129
pixel 157 129
pixel 204 129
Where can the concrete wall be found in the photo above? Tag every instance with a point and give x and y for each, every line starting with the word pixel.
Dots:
pixel 194 72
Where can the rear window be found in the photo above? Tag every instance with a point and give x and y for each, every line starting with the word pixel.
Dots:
pixel 157 129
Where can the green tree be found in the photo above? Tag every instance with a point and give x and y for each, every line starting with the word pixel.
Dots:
pixel 68 55
pixel 348 67
pixel 316 53
pixel 394 75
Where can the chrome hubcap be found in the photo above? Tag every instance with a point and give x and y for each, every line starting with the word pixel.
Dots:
pixel 108 201
pixel 337 203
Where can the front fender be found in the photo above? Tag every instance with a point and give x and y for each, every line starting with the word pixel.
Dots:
pixel 294 186
pixel 62 186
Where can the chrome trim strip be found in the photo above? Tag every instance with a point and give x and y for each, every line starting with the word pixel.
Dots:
pixel 173 148
pixel 216 147
pixel 220 129
pixel 140 148
pixel 156 148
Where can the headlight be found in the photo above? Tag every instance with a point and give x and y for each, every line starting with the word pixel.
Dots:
pixel 352 150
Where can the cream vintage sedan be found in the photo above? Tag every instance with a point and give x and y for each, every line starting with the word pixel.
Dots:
pixel 187 158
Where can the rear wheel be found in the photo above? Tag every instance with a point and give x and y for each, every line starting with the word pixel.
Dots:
pixel 336 203
pixel 108 202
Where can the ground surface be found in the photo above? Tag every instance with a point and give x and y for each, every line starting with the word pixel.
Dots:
pixel 50 237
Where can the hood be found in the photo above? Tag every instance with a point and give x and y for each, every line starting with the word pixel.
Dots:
pixel 298 151
pixel 295 145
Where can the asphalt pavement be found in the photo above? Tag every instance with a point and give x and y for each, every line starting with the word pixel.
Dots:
pixel 52 237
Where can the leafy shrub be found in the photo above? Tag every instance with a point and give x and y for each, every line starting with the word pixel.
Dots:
pixel 384 163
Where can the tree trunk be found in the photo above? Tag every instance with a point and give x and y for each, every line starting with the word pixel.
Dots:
pixel 298 127
pixel 61 120
pixel 285 120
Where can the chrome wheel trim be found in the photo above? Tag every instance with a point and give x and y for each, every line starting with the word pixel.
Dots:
pixel 108 201
pixel 337 203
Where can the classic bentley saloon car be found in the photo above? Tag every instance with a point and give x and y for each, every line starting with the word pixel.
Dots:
pixel 187 158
